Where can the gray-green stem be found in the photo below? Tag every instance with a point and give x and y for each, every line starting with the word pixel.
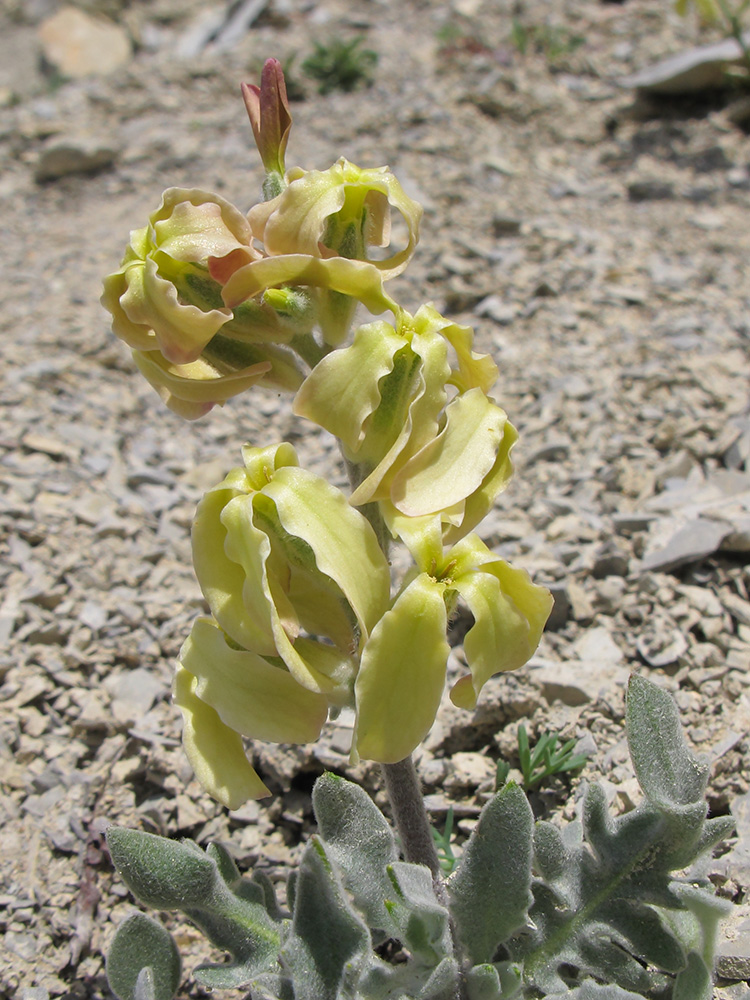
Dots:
pixel 409 814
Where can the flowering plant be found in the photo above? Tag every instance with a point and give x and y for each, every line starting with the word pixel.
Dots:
pixel 304 622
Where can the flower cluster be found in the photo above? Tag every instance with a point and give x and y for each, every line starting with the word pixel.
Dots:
pixel 294 572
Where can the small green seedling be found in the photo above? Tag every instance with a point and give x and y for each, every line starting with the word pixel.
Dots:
pixel 338 65
pixel 546 760
pixel 442 840
pixel 547 40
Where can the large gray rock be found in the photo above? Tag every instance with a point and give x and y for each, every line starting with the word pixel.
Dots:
pixel 75 44
pixel 691 543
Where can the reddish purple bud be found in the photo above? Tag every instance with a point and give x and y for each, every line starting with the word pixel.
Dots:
pixel 268 110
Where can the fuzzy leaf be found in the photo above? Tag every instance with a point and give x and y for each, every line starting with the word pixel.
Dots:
pixel 162 873
pixel 605 903
pixel 593 991
pixel 143 961
pixel 329 943
pixel 694 982
pixel 242 928
pixel 496 865
pixel 421 921
pixel 669 774
pixel 359 842
pixel 442 983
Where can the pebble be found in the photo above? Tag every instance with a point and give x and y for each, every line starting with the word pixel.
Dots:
pixel 63 157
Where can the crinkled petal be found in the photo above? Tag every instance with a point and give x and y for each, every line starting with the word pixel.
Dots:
pixel 192 225
pixel 357 278
pixel 343 389
pixel 182 330
pixel 344 545
pixel 402 674
pixel 261 464
pixel 191 390
pixel 509 613
pixel 229 555
pixel 426 388
pixel 380 180
pixel 250 695
pixel 421 535
pixel 264 606
pixel 453 465
pixel 474 370
pixel 481 501
pixel 215 751
pixel 139 336
pixel 294 222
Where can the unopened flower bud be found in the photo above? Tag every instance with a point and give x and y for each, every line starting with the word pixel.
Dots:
pixel 268 110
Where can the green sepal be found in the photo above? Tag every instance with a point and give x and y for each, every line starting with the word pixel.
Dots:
pixel 143 962
pixel 496 865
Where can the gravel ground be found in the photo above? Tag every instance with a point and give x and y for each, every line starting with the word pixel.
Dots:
pixel 599 247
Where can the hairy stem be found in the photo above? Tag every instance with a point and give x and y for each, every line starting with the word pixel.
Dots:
pixel 405 794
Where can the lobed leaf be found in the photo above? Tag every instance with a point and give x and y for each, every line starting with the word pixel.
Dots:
pixel 329 943
pixel 359 841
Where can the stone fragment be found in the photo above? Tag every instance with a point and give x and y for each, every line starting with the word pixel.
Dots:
pixel 626 522
pixel 469 770
pixel 738 608
pixel 650 189
pixel 577 682
pixel 505 225
pixel 493 307
pixel 134 693
pixel 689 72
pixel 560 609
pixel 598 644
pixel 692 542
pixel 199 33
pixel 580 602
pixel 83 154
pixel 733 946
pixel 93 615
pixel 76 44
pixel 661 648
pixel 738 537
